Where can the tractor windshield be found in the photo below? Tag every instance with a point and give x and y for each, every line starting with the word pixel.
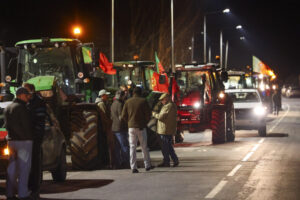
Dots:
pixel 49 61
pixel 191 80
pixel 136 75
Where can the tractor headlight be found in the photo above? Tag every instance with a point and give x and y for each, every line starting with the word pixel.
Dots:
pixel 197 105
pixel 46 93
pixel 6 151
pixel 221 95
pixel 259 110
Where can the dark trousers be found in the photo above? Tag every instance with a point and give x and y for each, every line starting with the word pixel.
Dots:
pixel 35 178
pixel 167 149
pixel 122 149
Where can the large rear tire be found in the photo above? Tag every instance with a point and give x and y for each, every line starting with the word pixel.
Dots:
pixel 84 142
pixel 230 124
pixel 218 125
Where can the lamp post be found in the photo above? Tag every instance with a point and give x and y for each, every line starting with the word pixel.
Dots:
pixel 172 37
pixel 221 49
pixel 225 11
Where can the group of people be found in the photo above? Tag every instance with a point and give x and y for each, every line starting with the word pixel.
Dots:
pixel 25 123
pixel 125 124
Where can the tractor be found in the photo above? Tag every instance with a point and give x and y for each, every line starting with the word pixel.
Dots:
pixel 65 73
pixel 202 102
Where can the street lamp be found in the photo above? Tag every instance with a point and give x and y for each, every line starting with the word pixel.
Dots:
pixel 76 32
pixel 225 11
pixel 239 27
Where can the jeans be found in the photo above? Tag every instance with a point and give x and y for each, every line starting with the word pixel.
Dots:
pixel 122 148
pixel 19 168
pixel 167 149
pixel 135 133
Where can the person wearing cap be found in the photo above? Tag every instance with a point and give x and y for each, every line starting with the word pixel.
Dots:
pixel 119 128
pixel 166 128
pixel 106 122
pixel 136 112
pixel 20 139
pixel 38 112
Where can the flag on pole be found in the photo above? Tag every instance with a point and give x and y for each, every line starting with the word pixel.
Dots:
pixel 105 65
pixel 259 66
pixel 159 68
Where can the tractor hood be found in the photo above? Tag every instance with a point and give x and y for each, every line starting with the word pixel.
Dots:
pixel 42 82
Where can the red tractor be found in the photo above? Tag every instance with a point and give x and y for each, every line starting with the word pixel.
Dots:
pixel 202 102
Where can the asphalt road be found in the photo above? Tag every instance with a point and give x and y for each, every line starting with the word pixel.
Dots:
pixel 252 167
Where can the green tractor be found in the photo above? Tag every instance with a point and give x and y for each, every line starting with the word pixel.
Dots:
pixel 66 74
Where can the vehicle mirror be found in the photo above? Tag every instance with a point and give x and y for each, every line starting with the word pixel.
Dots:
pixel 224 76
pixel 162 79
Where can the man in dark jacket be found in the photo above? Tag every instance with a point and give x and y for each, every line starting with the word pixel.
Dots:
pixel 38 112
pixel 120 130
pixel 136 113
pixel 19 128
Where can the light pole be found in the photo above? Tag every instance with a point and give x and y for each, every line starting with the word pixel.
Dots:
pixel 172 37
pixel 221 49
pixel 112 29
pixel 225 11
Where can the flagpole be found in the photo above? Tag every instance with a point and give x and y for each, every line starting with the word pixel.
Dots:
pixel 112 29
pixel 172 37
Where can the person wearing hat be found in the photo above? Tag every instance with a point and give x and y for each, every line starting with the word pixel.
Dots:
pixel 106 122
pixel 20 139
pixel 166 128
pixel 119 128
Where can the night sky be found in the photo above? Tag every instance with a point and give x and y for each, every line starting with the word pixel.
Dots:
pixel 271 28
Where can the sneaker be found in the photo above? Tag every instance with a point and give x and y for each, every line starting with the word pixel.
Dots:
pixel 149 168
pixel 134 171
pixel 176 164
pixel 163 164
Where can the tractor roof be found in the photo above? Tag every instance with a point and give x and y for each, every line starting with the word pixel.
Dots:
pixel 196 66
pixel 134 63
pixel 51 40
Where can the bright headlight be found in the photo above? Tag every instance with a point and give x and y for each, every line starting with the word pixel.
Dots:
pixel 197 105
pixel 259 110
pixel 6 151
pixel 46 93
pixel 221 95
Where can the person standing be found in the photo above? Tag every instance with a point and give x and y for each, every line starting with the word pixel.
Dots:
pixel 102 102
pixel 276 102
pixel 120 130
pixel 38 112
pixel 166 128
pixel 20 138
pixel 136 112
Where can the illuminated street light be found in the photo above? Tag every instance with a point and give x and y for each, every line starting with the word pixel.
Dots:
pixel 227 10
pixel 242 38
pixel 76 31
pixel 239 27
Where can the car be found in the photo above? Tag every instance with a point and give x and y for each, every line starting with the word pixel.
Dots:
pixel 249 109
pixel 293 91
pixel 53 148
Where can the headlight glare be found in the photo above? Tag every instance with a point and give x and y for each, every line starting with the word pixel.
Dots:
pixel 6 151
pixel 259 110
pixel 197 105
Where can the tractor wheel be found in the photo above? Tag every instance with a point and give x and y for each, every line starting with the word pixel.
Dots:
pixel 84 143
pixel 230 124
pixel 60 173
pixel 218 123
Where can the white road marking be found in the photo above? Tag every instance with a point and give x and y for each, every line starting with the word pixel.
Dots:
pixel 288 109
pixel 232 173
pixel 261 140
pixel 248 156
pixel 216 190
pixel 255 147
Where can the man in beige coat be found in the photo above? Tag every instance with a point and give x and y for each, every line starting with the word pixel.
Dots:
pixel 166 128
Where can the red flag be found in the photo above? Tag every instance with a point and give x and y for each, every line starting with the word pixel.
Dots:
pixel 156 86
pixel 158 64
pixel 105 65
